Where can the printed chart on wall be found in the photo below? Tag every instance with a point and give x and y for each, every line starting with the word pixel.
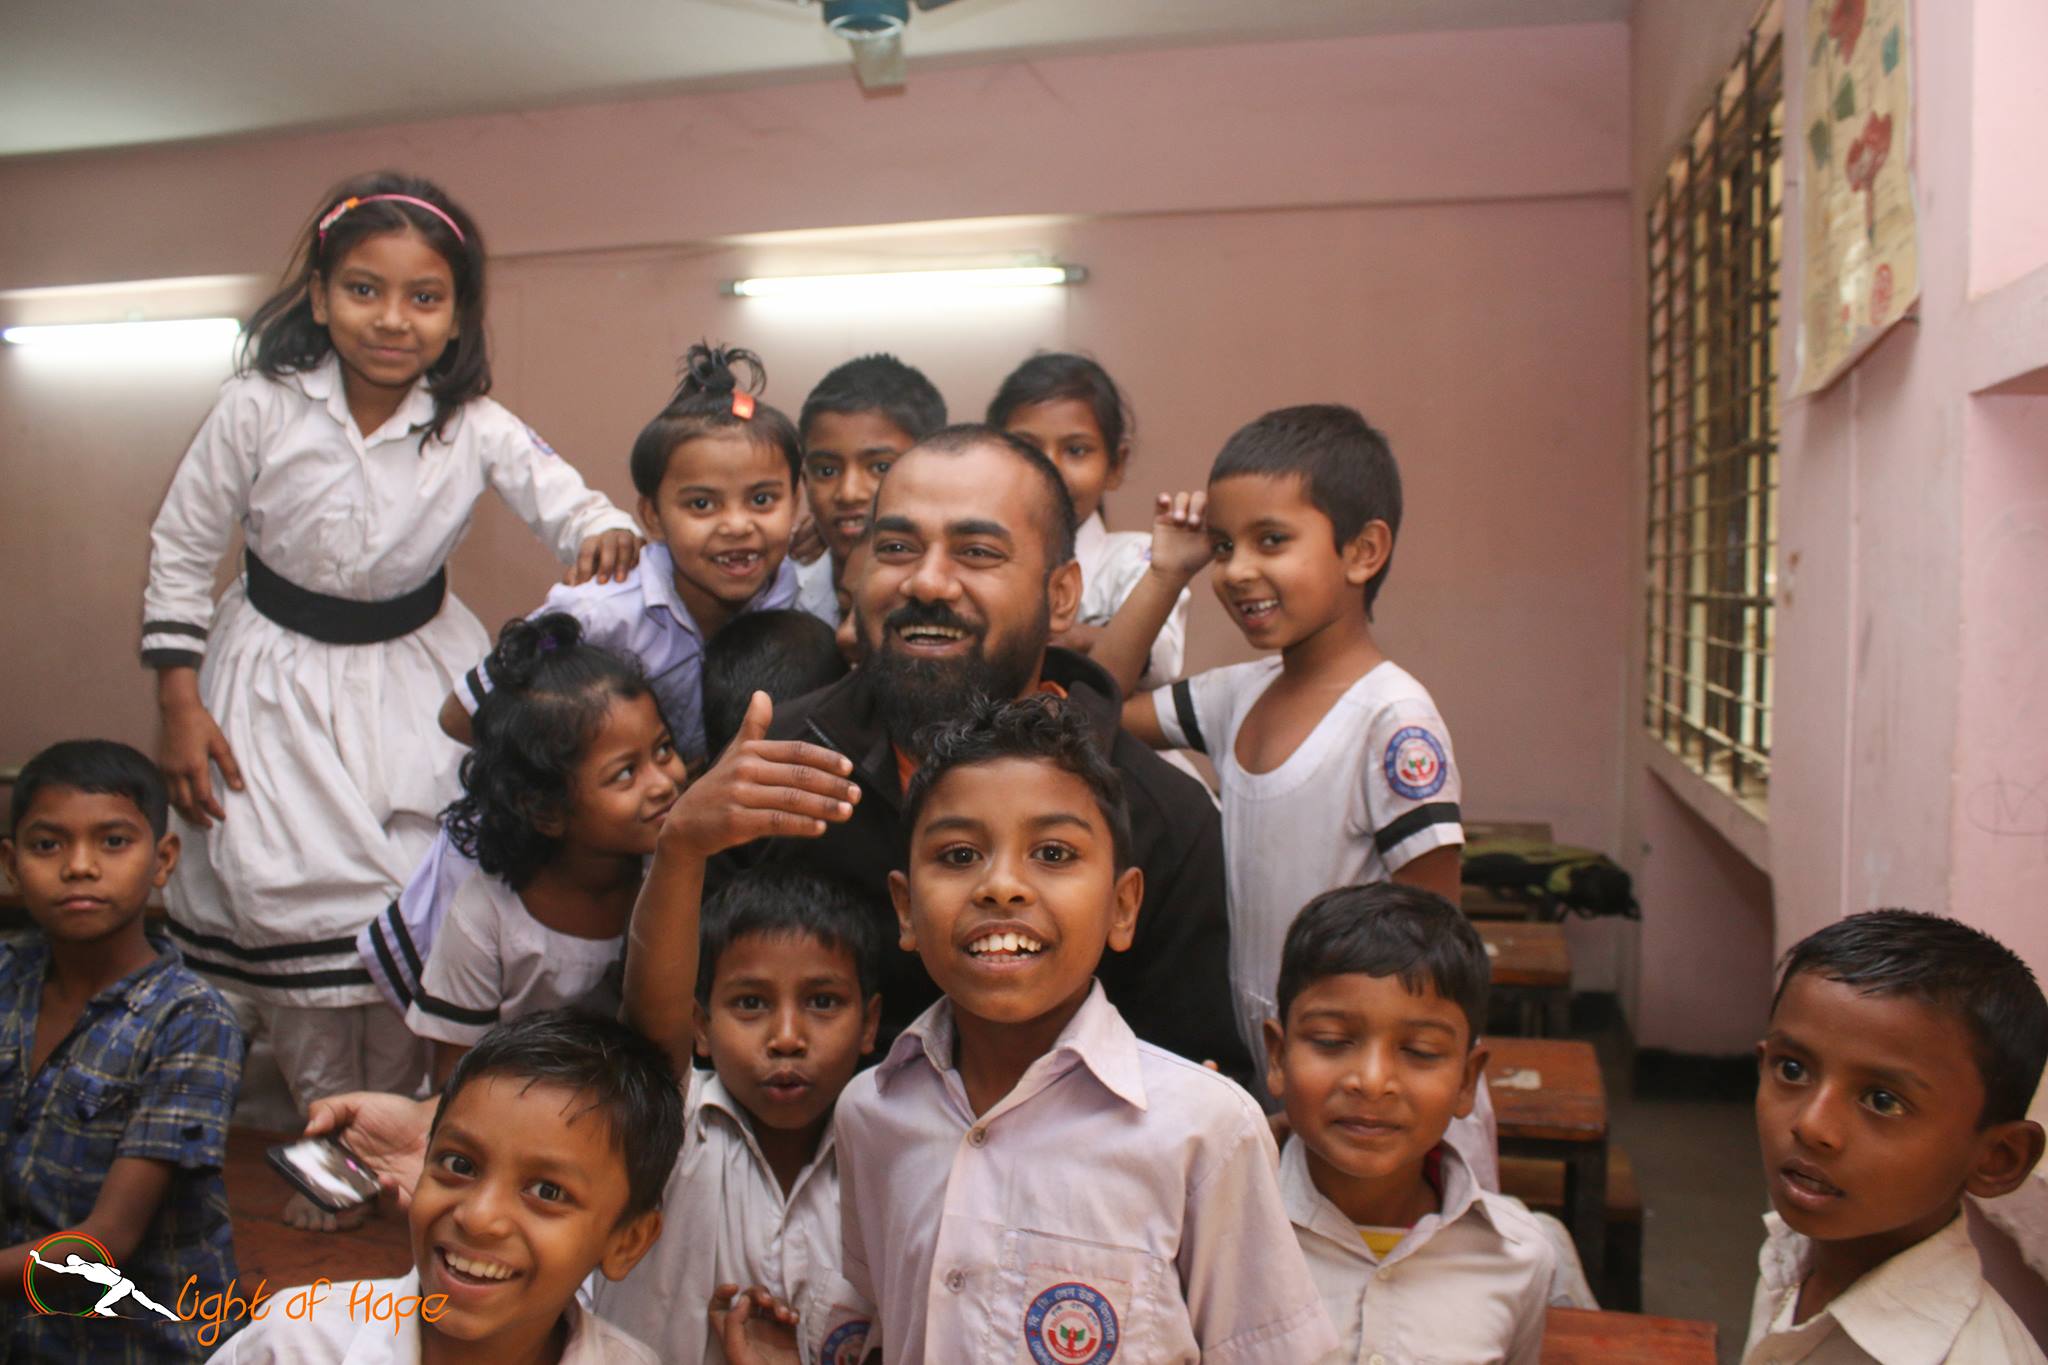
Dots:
pixel 1861 271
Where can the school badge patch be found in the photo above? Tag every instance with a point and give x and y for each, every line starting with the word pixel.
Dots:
pixel 846 1345
pixel 540 443
pixel 1415 764
pixel 1071 1324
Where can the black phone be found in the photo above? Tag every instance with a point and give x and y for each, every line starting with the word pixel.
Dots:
pixel 325 1172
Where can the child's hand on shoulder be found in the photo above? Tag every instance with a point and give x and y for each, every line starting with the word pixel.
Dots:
pixel 761 788
pixel 607 556
pixel 757 1330
pixel 1180 536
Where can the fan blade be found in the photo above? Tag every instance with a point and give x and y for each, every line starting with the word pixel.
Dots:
pixel 878 60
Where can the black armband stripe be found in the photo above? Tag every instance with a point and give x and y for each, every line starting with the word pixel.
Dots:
pixel 173 628
pixel 454 1013
pixel 1184 712
pixel 1416 821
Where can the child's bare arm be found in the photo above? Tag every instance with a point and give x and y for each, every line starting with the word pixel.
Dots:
pixel 759 788
pixel 1141 721
pixel 127 1203
pixel 455 720
pixel 1180 547
pixel 1438 870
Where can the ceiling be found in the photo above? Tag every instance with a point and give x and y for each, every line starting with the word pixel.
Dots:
pixel 97 73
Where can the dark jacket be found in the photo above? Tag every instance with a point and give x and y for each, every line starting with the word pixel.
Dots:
pixel 1173 985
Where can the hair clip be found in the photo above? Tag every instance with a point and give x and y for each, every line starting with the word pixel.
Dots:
pixel 328 219
pixel 742 405
pixel 548 644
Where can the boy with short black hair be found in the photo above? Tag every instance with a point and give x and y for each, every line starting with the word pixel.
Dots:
pixel 1335 767
pixel 784 653
pixel 1098 1191
pixel 855 423
pixel 118 1069
pixel 785 1008
pixel 1902 1054
pixel 544 1165
pixel 1382 994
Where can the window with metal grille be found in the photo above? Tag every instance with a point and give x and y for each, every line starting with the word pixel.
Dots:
pixel 1713 511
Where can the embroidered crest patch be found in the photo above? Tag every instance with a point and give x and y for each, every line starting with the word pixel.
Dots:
pixel 1071 1324
pixel 540 443
pixel 846 1344
pixel 1415 764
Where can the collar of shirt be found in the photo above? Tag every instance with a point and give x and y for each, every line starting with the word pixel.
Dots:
pixel 1309 1208
pixel 374 1343
pixel 1096 1037
pixel 323 384
pixel 134 991
pixel 712 1095
pixel 1908 1311
pixel 657 571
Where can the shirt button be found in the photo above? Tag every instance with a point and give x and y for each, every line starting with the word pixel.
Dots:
pixel 955 1281
pixel 978 1136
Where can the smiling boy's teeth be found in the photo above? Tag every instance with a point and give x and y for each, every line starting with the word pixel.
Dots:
pixel 482 1270
pixel 1005 943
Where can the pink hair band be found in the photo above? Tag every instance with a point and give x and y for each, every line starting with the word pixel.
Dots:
pixel 327 220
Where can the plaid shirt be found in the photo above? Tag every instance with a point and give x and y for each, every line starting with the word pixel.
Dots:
pixel 149 1070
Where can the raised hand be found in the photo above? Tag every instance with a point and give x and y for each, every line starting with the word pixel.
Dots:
pixel 606 556
pixel 1180 537
pixel 758 1329
pixel 388 1133
pixel 761 788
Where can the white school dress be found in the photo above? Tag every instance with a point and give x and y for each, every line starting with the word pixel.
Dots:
pixel 340 745
pixel 1111 563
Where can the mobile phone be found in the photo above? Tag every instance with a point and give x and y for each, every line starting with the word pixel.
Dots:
pixel 325 1172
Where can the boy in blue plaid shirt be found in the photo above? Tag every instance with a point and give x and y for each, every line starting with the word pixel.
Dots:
pixel 118 1070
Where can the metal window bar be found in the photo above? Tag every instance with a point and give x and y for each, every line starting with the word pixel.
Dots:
pixel 1714 238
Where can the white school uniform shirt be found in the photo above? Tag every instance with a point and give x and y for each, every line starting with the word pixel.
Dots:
pixel 1927 1304
pixel 1468 1284
pixel 1119 1203
pixel 1372 787
pixel 333 1334
pixel 346 766
pixel 817 591
pixel 1111 563
pixel 492 960
pixel 641 616
pixel 725 1220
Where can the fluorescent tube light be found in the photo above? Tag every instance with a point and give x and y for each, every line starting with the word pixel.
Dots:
pixel 181 334
pixel 904 284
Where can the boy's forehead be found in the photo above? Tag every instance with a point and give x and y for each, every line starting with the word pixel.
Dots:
pixel 60 804
pixel 853 433
pixel 792 953
pixel 1380 999
pixel 1000 792
pixel 1239 498
pixel 1892 1031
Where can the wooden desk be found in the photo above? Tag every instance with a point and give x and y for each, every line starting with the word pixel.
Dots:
pixel 1565 1118
pixel 268 1248
pixel 1572 1336
pixel 1493 831
pixel 1533 962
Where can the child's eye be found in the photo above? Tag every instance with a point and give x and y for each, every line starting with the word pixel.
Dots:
pixel 1078 451
pixel 43 845
pixel 824 470
pixel 1329 1043
pixel 1423 1054
pixel 623 776
pixel 361 291
pixel 1056 853
pixel 1885 1102
pixel 664 751
pixel 826 1000
pixel 880 467
pixel 957 855
pixel 425 299
pixel 118 841
pixel 1219 549
pixel 455 1163
pixel 1272 540
pixel 1788 1069
pixel 549 1192
pixel 697 504
pixel 766 498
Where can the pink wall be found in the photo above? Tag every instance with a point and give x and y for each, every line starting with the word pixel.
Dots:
pixel 1426 227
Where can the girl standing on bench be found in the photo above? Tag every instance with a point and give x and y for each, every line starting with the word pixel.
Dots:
pixel 349 452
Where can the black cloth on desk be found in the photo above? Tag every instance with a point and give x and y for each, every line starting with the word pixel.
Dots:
pixel 1173 985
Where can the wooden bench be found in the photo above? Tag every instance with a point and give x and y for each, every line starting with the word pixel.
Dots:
pixel 1564 1118
pixel 1492 831
pixel 1572 1336
pixel 1532 964
pixel 269 1249
pixel 1539 1183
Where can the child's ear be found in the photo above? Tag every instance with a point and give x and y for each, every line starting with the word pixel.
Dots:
pixel 899 896
pixel 1276 1052
pixel 167 850
pixel 2006 1155
pixel 1123 918
pixel 630 1241
pixel 7 860
pixel 1119 460
pixel 1475 1067
pixel 551 822
pixel 316 294
pixel 1063 596
pixel 650 525
pixel 1368 552
pixel 870 1024
pixel 700 1026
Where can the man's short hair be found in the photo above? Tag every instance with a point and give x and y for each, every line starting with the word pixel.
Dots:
pixel 1953 968
pixel 1057 510
pixel 625 1077
pixel 1345 465
pixel 878 383
pixel 1042 728
pixel 104 767
pixel 1387 929
pixel 783 653
pixel 777 900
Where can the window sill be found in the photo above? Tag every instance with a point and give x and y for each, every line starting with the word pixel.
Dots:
pixel 1738 819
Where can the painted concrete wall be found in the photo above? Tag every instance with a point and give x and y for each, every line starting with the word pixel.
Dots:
pixel 1426 227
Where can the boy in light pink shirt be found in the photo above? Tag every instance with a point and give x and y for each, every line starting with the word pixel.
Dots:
pixel 1100 1198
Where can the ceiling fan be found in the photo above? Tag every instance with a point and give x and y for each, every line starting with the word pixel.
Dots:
pixel 874 30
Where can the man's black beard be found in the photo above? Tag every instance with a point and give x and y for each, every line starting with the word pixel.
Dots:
pixel 912 694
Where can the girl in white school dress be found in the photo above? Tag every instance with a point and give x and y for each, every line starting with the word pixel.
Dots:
pixel 299 712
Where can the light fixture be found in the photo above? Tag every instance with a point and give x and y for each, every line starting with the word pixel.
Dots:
pixel 904 284
pixel 178 334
